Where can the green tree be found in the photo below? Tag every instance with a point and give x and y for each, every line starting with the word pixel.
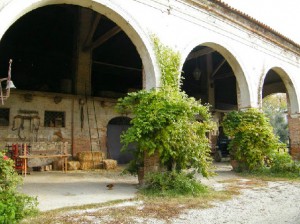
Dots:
pixel 275 107
pixel 167 121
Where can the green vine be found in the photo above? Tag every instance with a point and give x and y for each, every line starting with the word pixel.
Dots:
pixel 167 121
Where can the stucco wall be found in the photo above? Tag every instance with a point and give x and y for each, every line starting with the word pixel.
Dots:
pixel 249 48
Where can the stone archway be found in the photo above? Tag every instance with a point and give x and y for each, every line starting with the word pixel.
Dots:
pixel 81 110
pixel 280 81
pixel 242 89
pixel 277 80
pixel 112 11
pixel 213 75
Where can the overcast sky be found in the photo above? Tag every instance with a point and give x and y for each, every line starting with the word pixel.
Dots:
pixel 281 15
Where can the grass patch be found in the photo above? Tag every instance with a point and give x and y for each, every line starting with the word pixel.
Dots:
pixel 268 175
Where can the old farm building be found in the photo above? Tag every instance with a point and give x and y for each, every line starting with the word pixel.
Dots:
pixel 72 59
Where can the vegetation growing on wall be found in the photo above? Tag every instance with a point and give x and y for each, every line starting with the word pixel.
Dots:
pixel 167 121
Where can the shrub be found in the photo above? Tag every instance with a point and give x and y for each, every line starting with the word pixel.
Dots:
pixel 14 206
pixel 252 136
pixel 282 162
pixel 168 122
pixel 172 183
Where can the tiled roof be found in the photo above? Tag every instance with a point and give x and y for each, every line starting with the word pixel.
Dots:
pixel 257 22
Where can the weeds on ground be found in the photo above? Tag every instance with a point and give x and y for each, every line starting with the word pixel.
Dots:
pixel 172 184
pixel 281 167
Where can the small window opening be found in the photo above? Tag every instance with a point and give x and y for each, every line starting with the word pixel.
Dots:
pixel 54 119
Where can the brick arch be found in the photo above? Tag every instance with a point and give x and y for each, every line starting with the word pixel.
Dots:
pixel 288 83
pixel 15 9
pixel 244 99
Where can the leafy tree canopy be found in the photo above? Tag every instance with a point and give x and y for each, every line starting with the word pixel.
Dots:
pixel 275 107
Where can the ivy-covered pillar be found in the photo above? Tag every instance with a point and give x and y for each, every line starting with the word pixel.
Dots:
pixel 294 132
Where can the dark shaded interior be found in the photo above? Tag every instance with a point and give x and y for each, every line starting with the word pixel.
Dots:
pixel 42 45
pixel 220 77
pixel 273 84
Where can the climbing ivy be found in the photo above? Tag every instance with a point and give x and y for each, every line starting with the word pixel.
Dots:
pixel 167 121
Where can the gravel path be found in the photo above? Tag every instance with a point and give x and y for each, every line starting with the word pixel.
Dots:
pixel 277 203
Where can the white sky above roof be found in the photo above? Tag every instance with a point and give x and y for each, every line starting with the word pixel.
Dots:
pixel 282 16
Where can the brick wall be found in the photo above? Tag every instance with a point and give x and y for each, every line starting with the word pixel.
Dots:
pixel 85 125
pixel 294 130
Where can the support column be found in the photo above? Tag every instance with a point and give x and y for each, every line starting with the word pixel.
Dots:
pixel 151 164
pixel 210 82
pixel 294 132
pixel 84 54
pixel 82 141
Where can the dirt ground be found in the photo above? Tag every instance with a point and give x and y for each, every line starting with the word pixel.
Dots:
pixel 268 202
pixel 55 189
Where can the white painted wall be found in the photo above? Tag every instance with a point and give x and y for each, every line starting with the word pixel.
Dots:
pixel 183 27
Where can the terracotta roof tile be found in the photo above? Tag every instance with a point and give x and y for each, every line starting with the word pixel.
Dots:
pixel 250 18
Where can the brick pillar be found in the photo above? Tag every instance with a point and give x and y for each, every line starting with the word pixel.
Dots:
pixel 151 164
pixel 294 131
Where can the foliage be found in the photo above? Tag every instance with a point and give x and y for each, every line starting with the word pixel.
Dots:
pixel 14 206
pixel 275 106
pixel 252 136
pixel 172 183
pixel 167 120
pixel 282 162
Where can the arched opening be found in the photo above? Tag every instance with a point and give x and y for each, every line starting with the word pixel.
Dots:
pixel 276 102
pixel 115 128
pixel 44 46
pixel 70 64
pixel 209 77
pixel 212 75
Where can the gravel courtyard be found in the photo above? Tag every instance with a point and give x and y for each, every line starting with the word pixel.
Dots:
pixel 272 202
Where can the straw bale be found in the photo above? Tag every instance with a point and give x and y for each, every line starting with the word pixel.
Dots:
pixel 89 165
pixel 109 164
pixel 87 156
pixel 73 165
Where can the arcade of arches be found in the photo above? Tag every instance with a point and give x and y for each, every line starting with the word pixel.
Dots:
pixel 72 63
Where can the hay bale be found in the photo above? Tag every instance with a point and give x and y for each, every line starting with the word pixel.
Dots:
pixel 87 156
pixel 73 165
pixel 109 164
pixel 89 165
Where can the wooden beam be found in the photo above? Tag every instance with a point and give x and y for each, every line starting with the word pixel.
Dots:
pixel 93 28
pixel 199 53
pixel 117 66
pixel 105 37
pixel 217 69
pixel 224 76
